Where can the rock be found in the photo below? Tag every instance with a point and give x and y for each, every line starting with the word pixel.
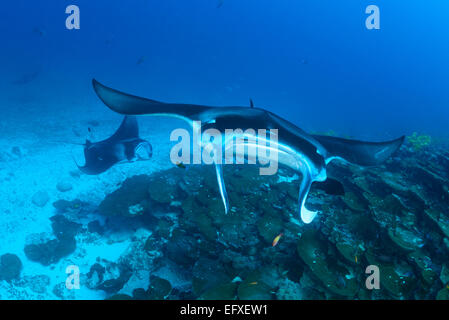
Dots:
pixel 182 249
pixel 289 290
pixel 64 185
pixel 429 276
pixel 40 198
pixel 355 201
pixel 444 276
pixel 95 276
pixel 95 227
pixel 132 195
pixel 37 284
pixel 397 279
pixel 60 290
pixel 51 251
pixel 205 226
pixel 254 290
pixel 350 251
pixel 64 228
pixel 10 267
pixel 64 206
pixel 227 291
pixel 120 296
pixel 108 276
pixel 405 239
pixel 269 227
pixel 443 294
pixel 113 285
pixel 207 273
pixel 140 294
pixel 163 190
pixel 164 228
pixel 314 251
pixel 159 288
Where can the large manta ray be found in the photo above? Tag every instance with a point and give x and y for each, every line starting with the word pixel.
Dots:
pixel 124 145
pixel 304 153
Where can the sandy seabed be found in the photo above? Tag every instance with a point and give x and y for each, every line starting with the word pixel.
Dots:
pixel 36 152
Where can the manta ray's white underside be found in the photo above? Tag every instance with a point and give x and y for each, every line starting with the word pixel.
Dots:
pixel 238 146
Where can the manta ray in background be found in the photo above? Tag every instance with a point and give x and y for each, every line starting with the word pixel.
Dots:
pixel 123 145
pixel 306 154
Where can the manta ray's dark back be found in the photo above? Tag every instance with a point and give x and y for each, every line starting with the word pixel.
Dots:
pixel 124 145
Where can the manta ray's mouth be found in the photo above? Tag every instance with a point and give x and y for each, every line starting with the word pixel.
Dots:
pixel 143 151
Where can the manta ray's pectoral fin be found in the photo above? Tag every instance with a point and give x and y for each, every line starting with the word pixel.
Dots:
pixel 221 186
pixel 307 215
pixel 128 104
pixel 359 152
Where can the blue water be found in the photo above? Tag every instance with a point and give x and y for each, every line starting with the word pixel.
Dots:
pixel 313 62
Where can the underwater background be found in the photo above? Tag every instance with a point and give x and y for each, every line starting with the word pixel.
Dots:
pixel 311 62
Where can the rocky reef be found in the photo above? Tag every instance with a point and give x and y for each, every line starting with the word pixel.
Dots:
pixel 183 245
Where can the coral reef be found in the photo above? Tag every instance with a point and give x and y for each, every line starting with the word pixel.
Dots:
pixel 56 246
pixel 10 267
pixel 394 217
pixel 181 245
pixel 419 142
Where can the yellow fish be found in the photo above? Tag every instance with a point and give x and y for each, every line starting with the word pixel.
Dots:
pixel 276 240
pixel 355 259
pixel 180 165
pixel 253 283
pixel 447 286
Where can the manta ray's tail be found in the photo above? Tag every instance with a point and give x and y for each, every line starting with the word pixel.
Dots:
pixel 359 152
pixel 132 105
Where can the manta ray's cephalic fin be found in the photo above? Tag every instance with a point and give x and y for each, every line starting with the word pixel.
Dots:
pixel 307 215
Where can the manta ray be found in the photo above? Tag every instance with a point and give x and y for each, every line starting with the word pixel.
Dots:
pixel 124 145
pixel 307 154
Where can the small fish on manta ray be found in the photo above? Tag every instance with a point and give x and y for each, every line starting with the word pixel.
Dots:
pixel 124 145
pixel 306 154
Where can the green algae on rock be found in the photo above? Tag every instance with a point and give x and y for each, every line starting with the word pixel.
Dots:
pixel 419 142
pixel 159 288
pixel 227 291
pixel 269 227
pixel 254 288
pixel 338 279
